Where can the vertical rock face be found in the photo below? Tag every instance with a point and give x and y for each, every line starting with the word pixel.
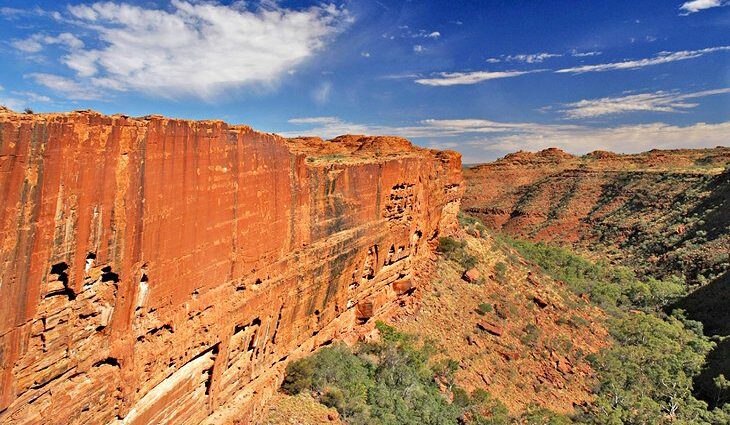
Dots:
pixel 162 271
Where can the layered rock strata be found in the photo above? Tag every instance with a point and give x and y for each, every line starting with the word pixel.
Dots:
pixel 665 206
pixel 163 271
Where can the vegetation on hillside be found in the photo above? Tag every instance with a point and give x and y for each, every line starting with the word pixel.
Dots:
pixel 455 250
pixel 398 380
pixel 646 377
pixel 611 287
pixel 679 220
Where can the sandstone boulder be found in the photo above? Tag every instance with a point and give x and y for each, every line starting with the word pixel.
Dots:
pixel 472 275
pixel 490 328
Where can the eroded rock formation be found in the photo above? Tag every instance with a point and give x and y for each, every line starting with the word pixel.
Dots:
pixel 665 206
pixel 162 271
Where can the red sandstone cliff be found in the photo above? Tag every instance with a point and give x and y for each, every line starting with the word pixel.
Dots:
pixel 162 271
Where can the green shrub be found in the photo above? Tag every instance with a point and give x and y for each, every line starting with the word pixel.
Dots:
pixel 487 410
pixel 500 272
pixel 472 224
pixel 646 377
pixel 382 382
pixel 610 287
pixel 536 415
pixel 484 308
pixel 455 250
pixel 298 376
pixel 578 321
pixel 392 381
pixel 531 335
pixel 333 397
pixel 461 397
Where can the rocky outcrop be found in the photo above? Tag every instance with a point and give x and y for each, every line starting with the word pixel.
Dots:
pixel 667 207
pixel 163 271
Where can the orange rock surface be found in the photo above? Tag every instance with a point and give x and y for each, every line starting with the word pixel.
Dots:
pixel 552 195
pixel 163 271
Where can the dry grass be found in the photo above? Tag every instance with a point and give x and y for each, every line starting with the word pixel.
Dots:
pixel 302 409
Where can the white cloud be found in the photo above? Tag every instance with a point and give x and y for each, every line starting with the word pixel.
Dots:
pixel 577 54
pixel 532 58
pixel 697 5
pixel 479 138
pixel 19 100
pixel 329 126
pixel 11 13
pixel 660 101
pixel 12 103
pixel 420 34
pixel 401 76
pixel 32 96
pixel 35 42
pixel 314 120
pixel 29 45
pixel 365 54
pixel 525 58
pixel 460 78
pixel 627 138
pixel 192 48
pixel 660 58
pixel 321 94
pixel 70 88
pixel 418 48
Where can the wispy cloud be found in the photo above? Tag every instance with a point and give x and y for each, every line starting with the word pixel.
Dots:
pixel 33 97
pixel 18 100
pixel 697 5
pixel 474 77
pixel 404 31
pixel 480 138
pixel 660 58
pixel 192 48
pixel 525 58
pixel 660 101
pixel 421 33
pixel 532 58
pixel 65 86
pixel 37 42
pixel 321 94
pixel 575 53
pixel 626 138
pixel 314 120
pixel 28 45
pixel 462 78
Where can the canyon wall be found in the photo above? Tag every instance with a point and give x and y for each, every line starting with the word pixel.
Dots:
pixel 662 211
pixel 163 271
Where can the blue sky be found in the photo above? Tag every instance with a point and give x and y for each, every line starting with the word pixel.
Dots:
pixel 481 77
